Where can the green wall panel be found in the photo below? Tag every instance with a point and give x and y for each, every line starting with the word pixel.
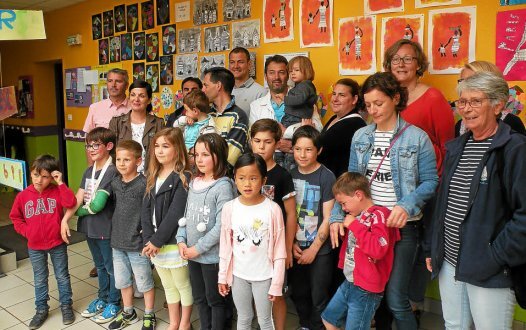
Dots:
pixel 77 164
pixel 39 145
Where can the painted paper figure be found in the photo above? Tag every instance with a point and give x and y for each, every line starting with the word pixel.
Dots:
pixel 205 12
pixel 7 102
pixel 169 47
pixel 132 17
pixel 120 18
pixel 410 27
pixel 433 3
pixel 356 43
pixel 139 48
pixel 217 38
pixel 246 34
pixel 96 26
pixel 510 44
pixel 126 47
pixel 185 66
pixel 115 49
pixel 138 71
pixel 382 6
pixel 104 50
pixel 152 47
pixel 147 15
pixel 107 23
pixel 451 39
pixel 211 61
pixel 316 23
pixel 152 76
pixel 189 40
pixel 278 20
pixel 236 9
pixel 163 12
pixel 167 70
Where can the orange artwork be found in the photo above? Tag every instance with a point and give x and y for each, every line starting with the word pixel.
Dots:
pixel 7 102
pixel 356 45
pixel 451 39
pixel 277 20
pixel 409 27
pixel 382 6
pixel 316 23
pixel 432 3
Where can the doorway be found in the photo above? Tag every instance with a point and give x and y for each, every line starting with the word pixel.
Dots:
pixel 61 122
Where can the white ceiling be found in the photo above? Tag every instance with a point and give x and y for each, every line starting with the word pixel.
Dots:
pixel 45 5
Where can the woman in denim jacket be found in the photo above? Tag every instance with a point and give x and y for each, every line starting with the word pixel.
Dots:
pixel 403 181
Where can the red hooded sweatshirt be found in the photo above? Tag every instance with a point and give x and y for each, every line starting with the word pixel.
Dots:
pixel 37 216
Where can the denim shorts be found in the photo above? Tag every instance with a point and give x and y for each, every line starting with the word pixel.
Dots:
pixel 132 265
pixel 352 306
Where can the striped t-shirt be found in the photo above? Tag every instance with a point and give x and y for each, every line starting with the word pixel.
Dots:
pixel 458 195
pixel 382 188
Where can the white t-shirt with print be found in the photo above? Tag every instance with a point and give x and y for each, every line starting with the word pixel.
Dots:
pixel 137 134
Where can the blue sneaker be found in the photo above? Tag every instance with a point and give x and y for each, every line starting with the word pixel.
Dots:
pixel 110 312
pixel 94 308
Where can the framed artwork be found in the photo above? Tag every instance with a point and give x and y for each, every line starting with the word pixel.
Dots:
pixel 356 45
pixel 167 70
pixel 512 2
pixel 147 15
pixel 217 38
pixel 382 6
pixel 152 47
pixel 96 26
pixel 185 66
pixel 152 76
pixel 139 48
pixel 126 47
pixel 410 27
pixel 278 22
pixel 245 34
pixel 316 23
pixel 107 23
pixel 169 46
pixel 132 17
pixel 104 51
pixel 115 49
pixel 210 61
pixel 236 9
pixel 120 18
pixel 189 40
pixel 138 71
pixel 163 12
pixel 510 44
pixel 432 3
pixel 205 11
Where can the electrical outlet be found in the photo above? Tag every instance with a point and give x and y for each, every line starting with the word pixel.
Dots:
pixel 70 117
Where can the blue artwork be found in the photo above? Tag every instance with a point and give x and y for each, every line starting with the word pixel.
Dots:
pixel 512 2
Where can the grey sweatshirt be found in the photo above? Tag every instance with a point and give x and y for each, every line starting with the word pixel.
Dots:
pixel 204 206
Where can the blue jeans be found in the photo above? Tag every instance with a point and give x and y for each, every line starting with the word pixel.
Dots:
pixel 59 259
pixel 352 306
pixel 132 265
pixel 102 257
pixel 464 304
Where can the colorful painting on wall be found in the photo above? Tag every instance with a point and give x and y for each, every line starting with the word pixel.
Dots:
pixel 126 47
pixel 104 51
pixel 278 22
pixel 107 23
pixel 138 71
pixel 152 76
pixel 147 15
pixel 510 44
pixel 96 26
pixel 451 39
pixel 433 3
pixel 382 6
pixel 120 18
pixel 316 23
pixel 132 20
pixel 152 47
pixel 410 27
pixel 115 49
pixel 139 46
pixel 163 12
pixel 512 2
pixel 7 102
pixel 168 33
pixel 167 70
pixel 356 45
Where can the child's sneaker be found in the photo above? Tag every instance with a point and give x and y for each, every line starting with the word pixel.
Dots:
pixel 109 313
pixel 67 314
pixel 94 308
pixel 123 320
pixel 149 321
pixel 39 319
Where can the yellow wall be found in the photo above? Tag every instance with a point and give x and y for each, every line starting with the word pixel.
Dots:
pixel 26 57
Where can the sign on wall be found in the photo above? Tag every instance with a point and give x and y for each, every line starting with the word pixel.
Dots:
pixel 21 24
pixel 13 173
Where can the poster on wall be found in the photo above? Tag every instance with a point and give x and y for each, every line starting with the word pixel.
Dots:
pixel 210 61
pixel 356 45
pixel 138 71
pixel 168 33
pixel 22 24
pixel 410 27
pixel 104 51
pixel 107 23
pixel 236 9
pixel 433 3
pixel 7 102
pixel 147 15
pixel 189 40
pixel 185 66
pixel 510 44
pixel 126 47
pixel 278 22
pixel 115 49
pixel 217 38
pixel 96 26
pixel 245 34
pixel 512 2
pixel 382 6
pixel 132 17
pixel 316 23
pixel 152 47
pixel 182 11
pixel 119 13
pixel 26 107
pixel 152 76
pixel 205 12
pixel 163 12
pixel 451 39
pixel 167 70
pixel 78 94
pixel 139 41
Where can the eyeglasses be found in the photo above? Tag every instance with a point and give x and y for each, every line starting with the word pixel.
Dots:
pixel 474 103
pixel 94 146
pixel 406 59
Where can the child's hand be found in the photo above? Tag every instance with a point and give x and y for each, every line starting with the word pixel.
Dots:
pixel 189 121
pixel 271 298
pixel 57 176
pixel 307 121
pixel 289 260
pixel 182 250
pixel 349 218
pixel 296 250
pixel 150 250
pixel 307 257
pixel 428 265
pixel 191 253
pixel 336 230
pixel 224 289
pixel 64 230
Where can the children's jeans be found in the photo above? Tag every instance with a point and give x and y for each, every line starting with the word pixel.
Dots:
pixel 102 257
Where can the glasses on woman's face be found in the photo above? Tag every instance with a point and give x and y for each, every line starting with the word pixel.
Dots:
pixel 94 146
pixel 406 59
pixel 473 103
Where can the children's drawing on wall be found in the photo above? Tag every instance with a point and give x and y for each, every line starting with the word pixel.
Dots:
pixel 104 51
pixel 25 97
pixel 147 15
pixel 7 102
pixel 410 27
pixel 451 39
pixel 278 20
pixel 316 23
pixel 210 61
pixel 245 34
pixel 356 45
pixel 107 23
pixel 189 40
pixel 433 3
pixel 252 67
pixel 512 2
pixel 217 38
pixel 236 9
pixel 138 71
pixel 156 104
pixel 382 6
pixel 139 48
pixel 126 47
pixel 169 32
pixel 205 12
pixel 152 47
pixel 182 11
pixel 167 70
pixel 152 76
pixel 185 66
pixel 96 26
pixel 115 49
pixel 167 98
pixel 119 13
pixel 132 17
pixel 163 12
pixel 510 44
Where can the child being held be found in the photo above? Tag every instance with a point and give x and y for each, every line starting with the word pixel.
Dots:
pixel 368 257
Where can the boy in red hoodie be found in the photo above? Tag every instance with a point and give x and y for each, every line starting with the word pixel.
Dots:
pixel 368 257
pixel 36 214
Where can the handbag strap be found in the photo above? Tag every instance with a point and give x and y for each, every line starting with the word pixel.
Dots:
pixel 387 152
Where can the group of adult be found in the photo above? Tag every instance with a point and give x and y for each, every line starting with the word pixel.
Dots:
pixel 458 202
